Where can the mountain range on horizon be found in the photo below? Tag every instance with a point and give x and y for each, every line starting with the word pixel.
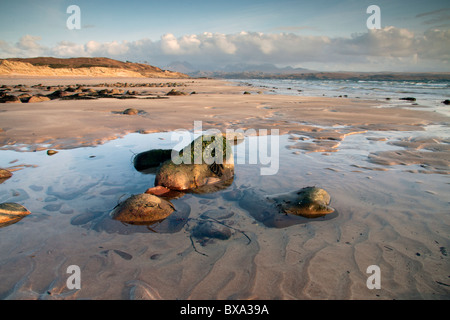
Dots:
pixel 271 71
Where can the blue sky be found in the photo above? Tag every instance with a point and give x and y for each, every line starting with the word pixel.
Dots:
pixel 320 34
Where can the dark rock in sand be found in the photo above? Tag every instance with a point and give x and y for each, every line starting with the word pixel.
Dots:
pixel 24 97
pixel 151 159
pixel 208 229
pixel 446 102
pixel 11 212
pixel 408 99
pixel 175 92
pixel 10 99
pixel 58 94
pixel 143 208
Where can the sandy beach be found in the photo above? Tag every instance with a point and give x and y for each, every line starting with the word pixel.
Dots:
pixel 382 162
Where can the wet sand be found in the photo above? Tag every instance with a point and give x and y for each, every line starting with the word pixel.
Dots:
pixel 371 159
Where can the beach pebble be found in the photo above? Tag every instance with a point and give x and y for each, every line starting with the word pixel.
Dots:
pixel 130 111
pixel 446 102
pixel 5 174
pixel 51 152
pixel 11 212
pixel 143 208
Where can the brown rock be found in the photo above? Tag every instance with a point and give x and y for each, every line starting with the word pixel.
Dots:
pixel 130 111
pixel 38 98
pixel 11 212
pixel 5 174
pixel 10 99
pixel 143 208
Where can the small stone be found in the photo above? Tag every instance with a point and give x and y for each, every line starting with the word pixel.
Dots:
pixel 446 102
pixel 5 174
pixel 130 111
pixel 175 92
pixel 51 152
pixel 408 99
pixel 11 212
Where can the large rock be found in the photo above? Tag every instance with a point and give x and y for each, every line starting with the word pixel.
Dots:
pixel 11 212
pixel 143 208
pixel 182 173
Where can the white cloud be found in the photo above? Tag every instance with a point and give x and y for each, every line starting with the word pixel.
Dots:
pixel 376 49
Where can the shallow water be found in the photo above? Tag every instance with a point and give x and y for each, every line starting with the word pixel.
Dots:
pixel 386 216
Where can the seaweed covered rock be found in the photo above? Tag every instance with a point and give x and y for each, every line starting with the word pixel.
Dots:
pixel 143 208
pixel 206 160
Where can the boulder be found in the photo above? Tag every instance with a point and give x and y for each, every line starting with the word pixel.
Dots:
pixel 11 212
pixel 182 173
pixel 143 208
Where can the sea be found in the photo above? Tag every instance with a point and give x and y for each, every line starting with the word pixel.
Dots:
pixel 430 93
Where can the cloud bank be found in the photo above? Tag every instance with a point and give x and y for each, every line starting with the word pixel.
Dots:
pixel 386 49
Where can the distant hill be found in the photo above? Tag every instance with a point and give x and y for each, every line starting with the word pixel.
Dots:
pixel 368 76
pixel 105 67
pixel 233 69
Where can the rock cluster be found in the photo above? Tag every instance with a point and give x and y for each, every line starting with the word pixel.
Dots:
pixel 32 94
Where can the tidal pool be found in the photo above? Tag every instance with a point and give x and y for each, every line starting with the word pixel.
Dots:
pixel 391 216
